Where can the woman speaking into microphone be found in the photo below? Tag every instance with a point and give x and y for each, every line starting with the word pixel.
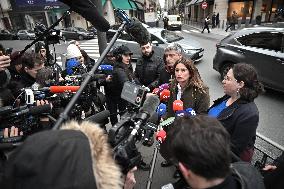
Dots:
pixel 187 90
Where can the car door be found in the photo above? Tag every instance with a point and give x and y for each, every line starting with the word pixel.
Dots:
pixel 21 34
pixel 263 51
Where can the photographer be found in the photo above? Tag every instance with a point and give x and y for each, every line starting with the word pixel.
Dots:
pixel 77 156
pixel 201 148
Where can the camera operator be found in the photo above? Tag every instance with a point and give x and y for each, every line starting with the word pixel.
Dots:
pixel 74 59
pixel 30 66
pixel 201 148
pixel 77 156
pixel 41 53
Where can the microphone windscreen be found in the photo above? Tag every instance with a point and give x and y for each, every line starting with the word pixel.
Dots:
pixel 150 105
pixel 139 32
pixel 162 109
pixel 36 110
pixel 89 11
pixel 177 105
pixel 165 95
pixel 105 67
pixel 161 135
pixel 63 89
pixel 99 117
pixel 156 91
pixel 190 112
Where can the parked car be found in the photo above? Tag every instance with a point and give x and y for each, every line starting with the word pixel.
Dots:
pixel 76 33
pixel 263 47
pixel 161 39
pixel 7 35
pixel 26 34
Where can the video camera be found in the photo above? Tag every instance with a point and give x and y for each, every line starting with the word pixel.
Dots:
pixel 52 36
pixel 132 125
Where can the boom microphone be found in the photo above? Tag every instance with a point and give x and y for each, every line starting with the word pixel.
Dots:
pixel 149 107
pixel 36 110
pixel 61 89
pixel 89 11
pixel 135 28
pixel 105 67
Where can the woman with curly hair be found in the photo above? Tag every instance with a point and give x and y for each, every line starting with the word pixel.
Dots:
pixel 189 88
pixel 237 111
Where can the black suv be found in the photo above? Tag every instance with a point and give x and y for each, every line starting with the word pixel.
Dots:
pixel 262 47
pixel 76 33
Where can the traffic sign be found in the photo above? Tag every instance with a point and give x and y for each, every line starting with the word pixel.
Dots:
pixel 204 5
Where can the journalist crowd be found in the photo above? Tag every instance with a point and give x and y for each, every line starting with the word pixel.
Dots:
pixel 211 146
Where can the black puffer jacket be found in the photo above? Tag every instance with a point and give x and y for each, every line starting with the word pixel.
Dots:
pixel 148 69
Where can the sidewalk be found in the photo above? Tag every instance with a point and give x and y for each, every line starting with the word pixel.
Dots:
pixel 216 31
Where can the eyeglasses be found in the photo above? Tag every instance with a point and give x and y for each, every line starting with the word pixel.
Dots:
pixel 229 79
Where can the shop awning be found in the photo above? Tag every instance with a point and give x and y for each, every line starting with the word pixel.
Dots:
pixel 192 2
pixel 139 5
pixel 122 4
pixel 198 1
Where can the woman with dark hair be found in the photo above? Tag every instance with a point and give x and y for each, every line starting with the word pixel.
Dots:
pixel 237 111
pixel 190 89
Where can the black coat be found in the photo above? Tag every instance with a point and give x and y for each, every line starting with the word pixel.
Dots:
pixel 241 120
pixel 121 73
pixel 148 70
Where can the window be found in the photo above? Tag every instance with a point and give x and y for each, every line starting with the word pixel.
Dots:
pixel 155 38
pixel 265 40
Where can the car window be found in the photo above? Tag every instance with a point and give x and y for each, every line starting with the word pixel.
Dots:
pixel 170 36
pixel 265 40
pixel 155 38
pixel 81 29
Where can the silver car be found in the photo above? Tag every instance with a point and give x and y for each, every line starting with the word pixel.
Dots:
pixel 26 34
pixel 160 38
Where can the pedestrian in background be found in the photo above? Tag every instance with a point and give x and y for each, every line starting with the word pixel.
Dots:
pixel 213 20
pixel 206 24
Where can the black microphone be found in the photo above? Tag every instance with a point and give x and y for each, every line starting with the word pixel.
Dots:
pixel 135 28
pixel 99 117
pixel 36 110
pixel 89 11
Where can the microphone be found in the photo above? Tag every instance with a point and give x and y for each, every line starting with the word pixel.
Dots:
pixel 149 107
pixel 181 113
pixel 156 91
pixel 177 105
pixel 89 11
pixel 164 86
pixel 99 117
pixel 135 28
pixel 162 109
pixel 190 112
pixel 105 67
pixel 161 136
pixel 150 128
pixel 165 95
pixel 35 110
pixel 61 89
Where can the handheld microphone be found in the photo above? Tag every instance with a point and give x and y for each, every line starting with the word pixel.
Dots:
pixel 190 112
pixel 164 86
pixel 105 67
pixel 162 109
pixel 156 91
pixel 181 113
pixel 89 11
pixel 177 105
pixel 135 28
pixel 165 95
pixel 161 136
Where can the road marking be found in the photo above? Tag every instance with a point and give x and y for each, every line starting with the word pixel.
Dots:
pixel 195 31
pixel 186 31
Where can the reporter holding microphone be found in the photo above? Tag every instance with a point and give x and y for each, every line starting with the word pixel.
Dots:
pixel 187 91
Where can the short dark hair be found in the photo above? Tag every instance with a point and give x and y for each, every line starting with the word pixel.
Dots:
pixel 202 144
pixel 252 86
pixel 30 60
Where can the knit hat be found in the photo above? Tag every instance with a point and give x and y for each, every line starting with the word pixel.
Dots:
pixel 38 46
pixel 73 51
